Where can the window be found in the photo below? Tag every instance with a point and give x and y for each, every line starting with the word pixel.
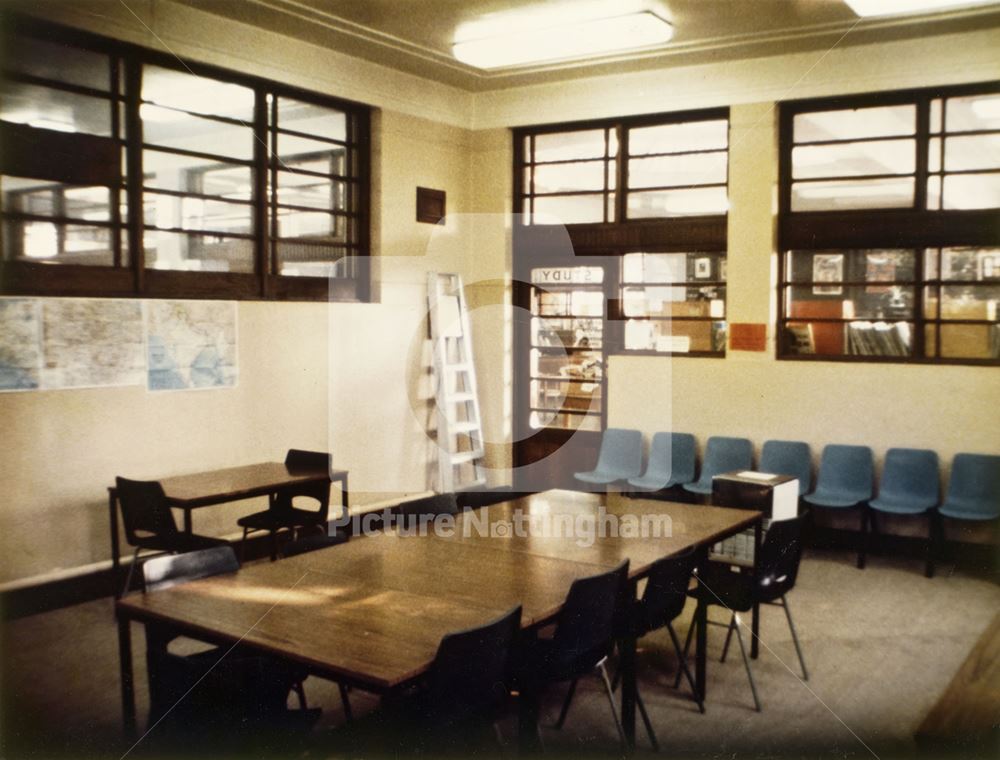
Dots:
pixel 652 192
pixel 674 302
pixel 239 187
pixel 889 227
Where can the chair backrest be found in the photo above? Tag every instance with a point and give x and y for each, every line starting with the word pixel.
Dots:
pixel 910 473
pixel 144 509
pixel 779 559
pixel 791 458
pixel 672 456
pixel 975 482
pixel 470 673
pixel 666 591
pixel 298 459
pixel 847 470
pixel 169 570
pixel 724 454
pixel 621 452
pixel 590 617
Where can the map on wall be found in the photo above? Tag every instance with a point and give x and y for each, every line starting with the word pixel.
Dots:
pixel 88 343
pixel 191 344
pixel 20 349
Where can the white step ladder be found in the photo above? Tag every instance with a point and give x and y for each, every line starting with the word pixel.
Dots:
pixel 459 424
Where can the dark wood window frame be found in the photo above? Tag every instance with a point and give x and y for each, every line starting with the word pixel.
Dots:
pixel 919 229
pixel 131 278
pixel 534 244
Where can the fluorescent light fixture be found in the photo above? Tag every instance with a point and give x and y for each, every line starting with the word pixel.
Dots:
pixel 898 7
pixel 564 40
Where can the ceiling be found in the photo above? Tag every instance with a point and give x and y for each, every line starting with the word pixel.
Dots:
pixel 416 35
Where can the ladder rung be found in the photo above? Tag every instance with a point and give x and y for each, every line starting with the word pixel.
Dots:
pixel 458 398
pixel 463 427
pixel 458 367
pixel 468 483
pixel 465 456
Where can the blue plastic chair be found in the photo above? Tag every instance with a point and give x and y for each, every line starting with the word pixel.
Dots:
pixel 722 455
pixel 620 457
pixel 791 458
pixel 671 462
pixel 910 485
pixel 974 488
pixel 845 482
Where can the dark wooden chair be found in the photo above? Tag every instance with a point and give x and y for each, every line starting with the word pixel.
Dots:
pixel 282 513
pixel 149 524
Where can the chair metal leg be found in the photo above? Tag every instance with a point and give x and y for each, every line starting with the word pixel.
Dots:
pixel 683 669
pixel 128 576
pixel 863 537
pixel 566 703
pixel 645 719
pixel 684 654
pixel 611 700
pixel 348 713
pixel 795 639
pixel 300 692
pixel 933 541
pixel 746 663
pixel 729 637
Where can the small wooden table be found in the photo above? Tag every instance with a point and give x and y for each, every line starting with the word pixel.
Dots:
pixel 204 489
pixel 372 612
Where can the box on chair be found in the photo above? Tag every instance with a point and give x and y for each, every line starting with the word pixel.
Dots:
pixel 777 496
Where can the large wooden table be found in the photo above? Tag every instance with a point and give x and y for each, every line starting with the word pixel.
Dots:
pixel 372 612
pixel 204 489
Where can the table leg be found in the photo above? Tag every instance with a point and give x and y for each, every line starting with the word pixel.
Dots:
pixel 755 614
pixel 125 672
pixel 345 502
pixel 187 521
pixel 626 648
pixel 701 646
pixel 116 558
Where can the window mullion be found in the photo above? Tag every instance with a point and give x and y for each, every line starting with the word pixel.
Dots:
pixel 260 189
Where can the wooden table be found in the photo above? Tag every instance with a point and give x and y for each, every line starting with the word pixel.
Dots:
pixel 204 489
pixel 372 612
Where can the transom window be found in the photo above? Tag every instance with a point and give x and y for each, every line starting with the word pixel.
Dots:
pixel 140 174
pixel 890 227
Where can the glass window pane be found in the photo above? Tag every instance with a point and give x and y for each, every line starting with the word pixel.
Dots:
pixel 850 124
pixel 197 94
pixel 43 198
pixel 972 152
pixel 46 108
pixel 678 138
pixel 973 264
pixel 61 63
pixel 973 112
pixel 565 421
pixel 574 365
pixel 312 119
pixel 231 182
pixel 313 192
pixel 879 338
pixel 970 341
pixel 855 302
pixel 190 174
pixel 182 131
pixel 569 209
pixel 935 121
pixel 197 253
pixel 296 152
pixel 561 395
pixel 171 211
pixel 313 225
pixel 672 336
pixel 301 260
pixel 566 333
pixel 855 159
pixel 45 242
pixel 970 191
pixel 566 146
pixel 674 171
pixel 658 203
pixel 969 302
pixel 556 178
pixel 851 194
pixel 934 155
pixel 655 267
pixel 660 301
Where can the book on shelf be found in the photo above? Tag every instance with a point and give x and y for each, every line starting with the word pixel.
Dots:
pixel 878 339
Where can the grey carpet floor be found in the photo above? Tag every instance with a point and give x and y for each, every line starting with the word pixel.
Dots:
pixel 881 645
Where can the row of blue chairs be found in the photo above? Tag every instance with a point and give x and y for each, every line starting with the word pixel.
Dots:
pixel 909 484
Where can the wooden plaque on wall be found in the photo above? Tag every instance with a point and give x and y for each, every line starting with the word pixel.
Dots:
pixel 747 336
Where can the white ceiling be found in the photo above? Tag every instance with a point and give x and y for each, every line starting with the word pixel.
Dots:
pixel 416 35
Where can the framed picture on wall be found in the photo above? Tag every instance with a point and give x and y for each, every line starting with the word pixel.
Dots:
pixel 828 268
pixel 703 268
